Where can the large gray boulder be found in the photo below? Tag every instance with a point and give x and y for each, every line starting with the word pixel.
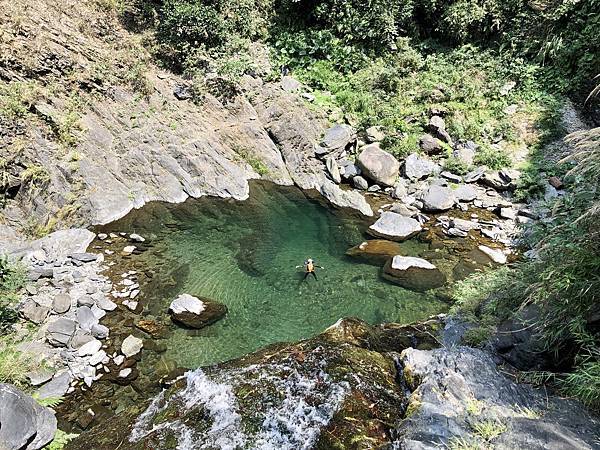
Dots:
pixel 413 273
pixel 438 198
pixel 60 331
pixel 378 165
pixel 338 137
pixel 430 145
pixel 24 424
pixel 194 312
pixel 345 199
pixel 416 167
pixel 394 227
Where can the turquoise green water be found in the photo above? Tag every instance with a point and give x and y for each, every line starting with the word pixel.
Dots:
pixel 244 254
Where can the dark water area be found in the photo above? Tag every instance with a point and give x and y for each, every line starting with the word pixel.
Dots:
pixel 244 254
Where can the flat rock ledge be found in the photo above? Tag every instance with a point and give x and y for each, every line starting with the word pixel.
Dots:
pixel 413 273
pixel 395 227
pixel 196 312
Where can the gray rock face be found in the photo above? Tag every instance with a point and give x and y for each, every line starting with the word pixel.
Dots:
pixel 345 199
pixel 455 389
pixel 378 165
pixel 451 177
pixel 24 424
pixel 465 193
pixel 84 257
pixel 416 168
pixel 100 331
pixel 474 175
pixel 333 169
pixel 34 312
pixel 57 387
pixel 350 170
pixel 360 183
pixel 413 273
pixel 430 145
pixel 59 244
pixel 438 128
pixel 60 332
pixel 438 198
pixel 290 84
pixel 394 227
pixel 374 134
pixel 86 318
pixel 61 303
pixel 399 191
pixel 338 137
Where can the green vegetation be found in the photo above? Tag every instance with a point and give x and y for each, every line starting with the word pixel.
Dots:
pixel 493 158
pixel 488 429
pixel 61 439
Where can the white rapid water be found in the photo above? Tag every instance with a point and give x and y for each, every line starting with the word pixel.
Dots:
pixel 291 409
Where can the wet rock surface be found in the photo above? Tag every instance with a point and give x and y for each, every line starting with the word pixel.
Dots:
pixel 413 273
pixel 194 312
pixel 320 393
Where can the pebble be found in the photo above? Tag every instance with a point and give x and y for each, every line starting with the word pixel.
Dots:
pixel 125 373
pixel 102 236
pixel 129 249
pixel 118 360
pixel 134 293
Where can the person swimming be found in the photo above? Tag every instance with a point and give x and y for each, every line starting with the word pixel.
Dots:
pixel 309 268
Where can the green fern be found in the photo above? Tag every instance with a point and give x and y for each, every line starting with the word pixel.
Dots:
pixel 50 402
pixel 60 440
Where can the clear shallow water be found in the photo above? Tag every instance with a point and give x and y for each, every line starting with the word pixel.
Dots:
pixel 244 254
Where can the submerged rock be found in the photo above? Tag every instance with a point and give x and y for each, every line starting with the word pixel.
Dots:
pixel 194 312
pixel 413 273
pixel 375 251
pixel 395 227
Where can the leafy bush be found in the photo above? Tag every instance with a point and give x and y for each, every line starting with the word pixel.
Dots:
pixel 187 28
pixel 374 24
pixel 456 165
pixel 494 158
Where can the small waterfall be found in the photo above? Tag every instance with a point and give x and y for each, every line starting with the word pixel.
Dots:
pixel 288 410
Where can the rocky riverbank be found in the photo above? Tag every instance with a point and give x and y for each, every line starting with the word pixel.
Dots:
pixel 354 386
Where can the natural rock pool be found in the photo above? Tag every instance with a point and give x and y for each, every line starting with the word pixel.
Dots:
pixel 243 254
